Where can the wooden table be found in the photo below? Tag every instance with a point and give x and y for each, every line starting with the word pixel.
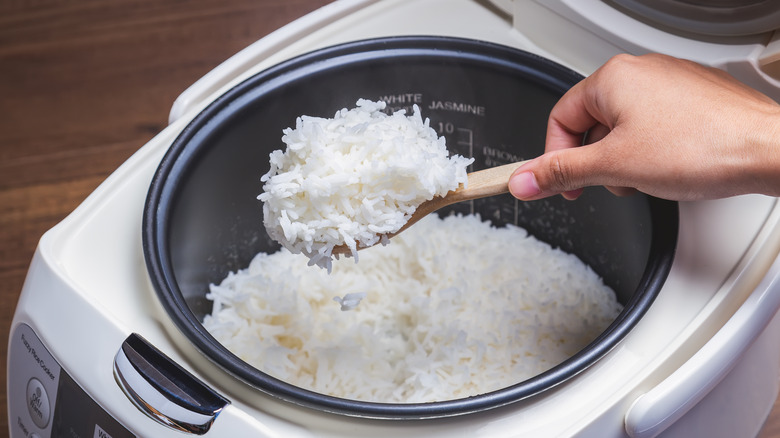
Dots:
pixel 83 85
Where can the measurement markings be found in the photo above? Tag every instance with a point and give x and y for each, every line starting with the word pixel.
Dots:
pixel 466 139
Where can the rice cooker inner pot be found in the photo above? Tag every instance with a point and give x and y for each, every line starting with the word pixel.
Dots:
pixel 202 219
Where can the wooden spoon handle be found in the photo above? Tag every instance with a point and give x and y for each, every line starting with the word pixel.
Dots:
pixel 481 184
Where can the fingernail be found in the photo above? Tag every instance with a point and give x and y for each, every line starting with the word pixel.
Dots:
pixel 524 185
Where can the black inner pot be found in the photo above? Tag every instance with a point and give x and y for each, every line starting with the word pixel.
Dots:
pixel 202 219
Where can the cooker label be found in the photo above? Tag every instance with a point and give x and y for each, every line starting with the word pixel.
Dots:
pixel 100 433
pixel 401 101
pixel 402 98
pixel 458 107
pixel 497 156
pixel 39 360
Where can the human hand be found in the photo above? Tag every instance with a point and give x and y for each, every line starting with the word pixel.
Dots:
pixel 664 126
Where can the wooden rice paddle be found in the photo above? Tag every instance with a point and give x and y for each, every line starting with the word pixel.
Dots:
pixel 481 184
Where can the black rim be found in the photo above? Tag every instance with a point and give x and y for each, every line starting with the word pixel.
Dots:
pixel 164 185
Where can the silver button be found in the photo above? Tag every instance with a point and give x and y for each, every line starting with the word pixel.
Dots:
pixel 38 403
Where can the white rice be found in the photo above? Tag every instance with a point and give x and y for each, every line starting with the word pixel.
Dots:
pixel 453 308
pixel 353 179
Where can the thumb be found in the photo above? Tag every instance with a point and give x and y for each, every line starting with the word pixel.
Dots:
pixel 564 171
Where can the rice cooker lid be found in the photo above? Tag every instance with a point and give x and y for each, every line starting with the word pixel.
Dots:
pixel 706 17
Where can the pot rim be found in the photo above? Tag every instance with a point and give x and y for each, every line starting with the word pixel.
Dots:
pixel 664 219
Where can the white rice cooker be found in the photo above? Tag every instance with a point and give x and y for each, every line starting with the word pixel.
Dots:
pixel 701 359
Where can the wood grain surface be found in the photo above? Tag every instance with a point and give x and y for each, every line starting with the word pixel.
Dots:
pixel 83 85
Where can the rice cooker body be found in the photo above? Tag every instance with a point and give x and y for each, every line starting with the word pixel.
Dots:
pixel 202 219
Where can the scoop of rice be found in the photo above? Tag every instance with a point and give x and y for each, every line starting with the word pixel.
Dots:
pixel 453 308
pixel 353 179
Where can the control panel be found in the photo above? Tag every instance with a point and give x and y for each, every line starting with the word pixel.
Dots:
pixel 45 402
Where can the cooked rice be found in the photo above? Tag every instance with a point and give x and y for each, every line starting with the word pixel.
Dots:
pixel 453 308
pixel 353 179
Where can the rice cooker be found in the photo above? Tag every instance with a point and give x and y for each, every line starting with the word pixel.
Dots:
pixel 693 353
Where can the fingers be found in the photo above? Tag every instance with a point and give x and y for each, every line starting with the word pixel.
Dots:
pixel 562 169
pixel 621 191
pixel 572 116
pixel 586 114
pixel 564 172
